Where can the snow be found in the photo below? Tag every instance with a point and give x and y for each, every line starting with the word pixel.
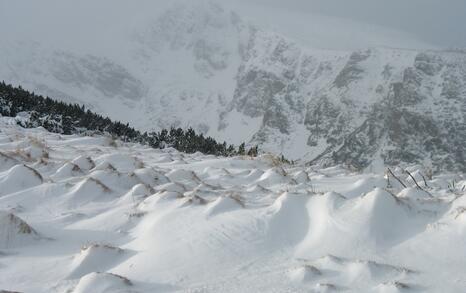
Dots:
pixel 14 232
pixel 185 63
pixel 102 283
pixel 92 217
pixel 223 205
pixel 94 258
pixel 18 178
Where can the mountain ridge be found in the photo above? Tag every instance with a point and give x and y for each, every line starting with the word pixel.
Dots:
pixel 320 106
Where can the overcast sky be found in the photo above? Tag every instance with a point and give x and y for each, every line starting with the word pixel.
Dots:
pixel 440 22
pixel 335 24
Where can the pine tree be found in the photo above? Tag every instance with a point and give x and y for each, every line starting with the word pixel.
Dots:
pixel 253 151
pixel 242 149
pixel 66 118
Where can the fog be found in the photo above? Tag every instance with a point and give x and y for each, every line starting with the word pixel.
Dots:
pixel 335 24
pixel 441 23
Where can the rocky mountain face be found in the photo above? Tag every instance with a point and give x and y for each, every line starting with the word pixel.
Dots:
pixel 203 66
pixel 422 118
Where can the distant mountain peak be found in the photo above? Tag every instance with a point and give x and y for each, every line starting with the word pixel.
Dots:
pixel 199 64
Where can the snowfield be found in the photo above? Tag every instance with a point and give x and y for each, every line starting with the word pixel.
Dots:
pixel 89 214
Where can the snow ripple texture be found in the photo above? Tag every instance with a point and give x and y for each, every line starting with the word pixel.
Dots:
pixel 88 214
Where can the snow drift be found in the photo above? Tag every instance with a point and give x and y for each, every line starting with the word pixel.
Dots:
pixel 133 219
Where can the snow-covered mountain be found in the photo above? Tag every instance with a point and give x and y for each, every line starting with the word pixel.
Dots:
pixel 200 64
pixel 88 214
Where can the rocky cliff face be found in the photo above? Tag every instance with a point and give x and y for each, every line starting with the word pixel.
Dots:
pixel 202 66
pixel 422 119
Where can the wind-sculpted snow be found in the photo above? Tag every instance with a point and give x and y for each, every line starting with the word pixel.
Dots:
pixel 84 214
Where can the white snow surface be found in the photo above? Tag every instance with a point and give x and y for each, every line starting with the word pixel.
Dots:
pixel 86 216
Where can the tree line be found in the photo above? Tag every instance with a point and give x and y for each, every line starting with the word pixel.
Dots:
pixel 68 118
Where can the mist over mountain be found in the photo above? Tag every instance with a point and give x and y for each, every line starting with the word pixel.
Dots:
pixel 303 84
pixel 438 23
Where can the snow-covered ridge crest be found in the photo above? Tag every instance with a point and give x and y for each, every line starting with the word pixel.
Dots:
pixel 80 214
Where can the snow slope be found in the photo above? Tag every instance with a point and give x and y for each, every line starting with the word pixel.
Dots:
pixel 219 68
pixel 80 214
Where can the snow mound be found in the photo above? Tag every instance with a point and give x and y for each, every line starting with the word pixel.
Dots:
pixel 151 202
pixel 414 194
pixel 382 217
pixel 105 166
pixel 364 185
pixel 15 232
pixel 395 287
pixel 217 224
pixel 174 187
pixel 183 176
pixel 164 159
pixel 272 177
pixel 84 163
pixel 137 192
pixel 6 162
pixel 301 177
pixel 95 258
pixel 354 271
pixel 18 178
pixel 254 174
pixel 303 274
pixel 327 287
pixel 288 219
pixel 222 205
pixel 257 188
pixel 194 199
pixel 207 188
pixel 121 162
pixel 103 283
pixel 67 170
pixel 375 221
pixel 333 198
pixel 36 151
pixel 150 176
pixel 88 191
pixel 115 179
pixel 380 202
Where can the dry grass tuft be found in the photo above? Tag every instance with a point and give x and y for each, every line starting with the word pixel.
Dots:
pixel 35 141
pixel 18 152
pixel 276 161
pixel 196 199
pixel 125 280
pixel 8 157
pixel 91 162
pixel 112 142
pixel 459 211
pixel 76 168
pixel 23 227
pixel 137 214
pixel 100 184
pixel 238 199
pixel 399 285
pixel 36 173
pixel 111 168
pixel 100 245
pixel 138 164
